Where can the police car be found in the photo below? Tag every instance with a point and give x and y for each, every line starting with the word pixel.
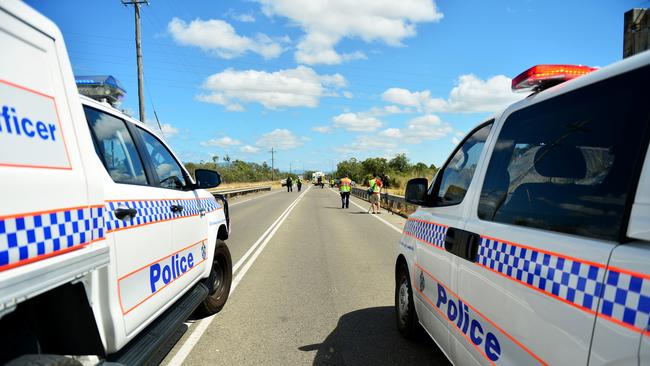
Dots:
pixel 106 242
pixel 532 243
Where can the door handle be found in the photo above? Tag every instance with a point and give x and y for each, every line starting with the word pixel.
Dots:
pixel 122 213
pixel 450 239
pixel 177 208
pixel 462 243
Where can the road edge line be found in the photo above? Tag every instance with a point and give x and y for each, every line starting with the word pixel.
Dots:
pixel 375 216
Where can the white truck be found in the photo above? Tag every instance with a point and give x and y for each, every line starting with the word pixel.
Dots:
pixel 531 245
pixel 106 242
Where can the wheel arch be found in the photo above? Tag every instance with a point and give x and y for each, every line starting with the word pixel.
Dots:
pixel 222 233
pixel 401 261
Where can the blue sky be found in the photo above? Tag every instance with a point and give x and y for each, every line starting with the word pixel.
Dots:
pixel 321 81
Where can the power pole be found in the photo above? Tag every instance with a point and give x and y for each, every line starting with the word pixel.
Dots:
pixel 291 162
pixel 272 164
pixel 636 32
pixel 138 51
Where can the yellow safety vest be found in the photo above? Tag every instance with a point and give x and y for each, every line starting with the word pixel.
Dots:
pixel 375 187
pixel 346 185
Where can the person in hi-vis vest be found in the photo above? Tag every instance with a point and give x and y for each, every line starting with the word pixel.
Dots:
pixel 344 188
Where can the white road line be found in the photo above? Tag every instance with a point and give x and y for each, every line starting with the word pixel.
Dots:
pixel 254 198
pixel 202 325
pixel 375 216
pixel 256 244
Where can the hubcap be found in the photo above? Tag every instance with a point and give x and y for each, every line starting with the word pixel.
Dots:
pixel 403 301
pixel 218 275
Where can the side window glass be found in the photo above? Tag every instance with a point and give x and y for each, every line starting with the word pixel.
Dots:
pixel 456 176
pixel 170 173
pixel 115 147
pixel 568 164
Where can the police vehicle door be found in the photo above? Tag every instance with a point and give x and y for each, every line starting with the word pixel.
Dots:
pixel 433 231
pixel 49 208
pixel 551 210
pixel 137 219
pixel 190 227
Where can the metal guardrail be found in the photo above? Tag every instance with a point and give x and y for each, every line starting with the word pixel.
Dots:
pixel 390 202
pixel 228 193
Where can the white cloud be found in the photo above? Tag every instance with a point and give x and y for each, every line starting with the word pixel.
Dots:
pixel 348 94
pixel 377 146
pixel 245 18
pixel 455 140
pixel 221 142
pixel 471 94
pixel 280 139
pixel 249 149
pixel 168 131
pixel 356 122
pixel 427 127
pixel 326 22
pixel 299 87
pixel 322 129
pixel 220 38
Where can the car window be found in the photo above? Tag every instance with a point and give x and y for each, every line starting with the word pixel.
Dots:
pixel 115 147
pixel 456 176
pixel 567 164
pixel 170 173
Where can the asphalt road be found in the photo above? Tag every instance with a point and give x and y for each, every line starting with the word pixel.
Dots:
pixel 313 285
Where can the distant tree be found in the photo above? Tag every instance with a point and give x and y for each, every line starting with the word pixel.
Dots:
pixel 375 166
pixel 433 167
pixel 419 168
pixel 215 158
pixel 400 163
pixel 352 167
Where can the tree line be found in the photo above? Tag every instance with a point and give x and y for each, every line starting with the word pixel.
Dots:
pixel 396 171
pixel 399 170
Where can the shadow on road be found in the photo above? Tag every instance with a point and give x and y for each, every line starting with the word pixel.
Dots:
pixel 370 337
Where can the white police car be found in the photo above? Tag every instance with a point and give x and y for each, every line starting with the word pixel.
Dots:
pixel 106 242
pixel 532 243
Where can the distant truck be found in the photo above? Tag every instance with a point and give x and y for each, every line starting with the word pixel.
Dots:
pixel 315 175
pixel 107 244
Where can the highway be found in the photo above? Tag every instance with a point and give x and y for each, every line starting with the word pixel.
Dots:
pixel 312 284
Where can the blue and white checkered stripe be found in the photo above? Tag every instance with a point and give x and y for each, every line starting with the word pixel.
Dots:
pixel 153 211
pixel 26 238
pixel 426 231
pixel 626 298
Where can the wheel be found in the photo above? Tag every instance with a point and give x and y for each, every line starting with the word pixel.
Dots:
pixel 218 282
pixel 43 360
pixel 407 319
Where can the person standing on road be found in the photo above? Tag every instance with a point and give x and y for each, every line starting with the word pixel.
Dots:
pixel 299 184
pixel 289 184
pixel 345 185
pixel 375 193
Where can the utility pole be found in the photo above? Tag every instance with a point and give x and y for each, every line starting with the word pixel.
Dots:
pixel 272 164
pixel 636 31
pixel 138 51
pixel 290 167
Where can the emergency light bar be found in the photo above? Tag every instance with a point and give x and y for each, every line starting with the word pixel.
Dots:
pixel 540 77
pixel 101 88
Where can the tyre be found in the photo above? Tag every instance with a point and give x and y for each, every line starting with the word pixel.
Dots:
pixel 406 317
pixel 218 282
pixel 43 360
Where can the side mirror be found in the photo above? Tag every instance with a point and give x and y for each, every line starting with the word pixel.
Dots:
pixel 206 178
pixel 416 191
